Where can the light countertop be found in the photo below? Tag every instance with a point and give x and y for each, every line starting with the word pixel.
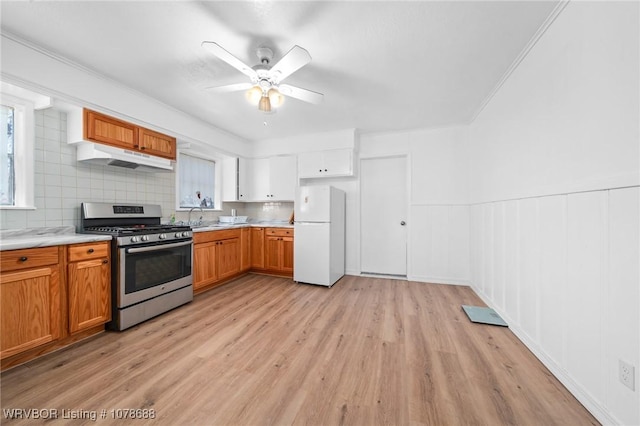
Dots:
pixel 14 239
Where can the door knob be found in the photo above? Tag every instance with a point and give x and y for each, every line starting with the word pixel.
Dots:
pixel 403 223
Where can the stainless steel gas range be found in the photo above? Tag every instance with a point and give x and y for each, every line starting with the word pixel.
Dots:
pixel 152 263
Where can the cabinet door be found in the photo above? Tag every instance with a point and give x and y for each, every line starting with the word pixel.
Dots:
pixel 337 162
pixel 110 131
pixel 228 258
pixel 286 252
pixel 282 177
pixel 257 248
pixel 89 294
pixel 260 189
pixel 244 179
pixel 204 264
pixel 154 143
pixel 29 309
pixel 245 249
pixel 272 253
pixel 310 165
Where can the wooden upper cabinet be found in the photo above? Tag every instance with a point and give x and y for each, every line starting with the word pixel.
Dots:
pixel 154 143
pixel 108 130
pixel 112 131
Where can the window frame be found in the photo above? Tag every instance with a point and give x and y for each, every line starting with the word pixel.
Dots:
pixel 24 151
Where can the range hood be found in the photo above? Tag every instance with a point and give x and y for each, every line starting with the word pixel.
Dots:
pixel 106 155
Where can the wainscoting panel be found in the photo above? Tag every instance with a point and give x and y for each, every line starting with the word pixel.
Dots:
pixel 439 239
pixel 586 282
pixel 563 272
pixel 553 274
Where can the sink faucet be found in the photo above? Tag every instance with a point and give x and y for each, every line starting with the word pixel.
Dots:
pixel 192 209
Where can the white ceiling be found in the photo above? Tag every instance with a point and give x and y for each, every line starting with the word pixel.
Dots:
pixel 382 66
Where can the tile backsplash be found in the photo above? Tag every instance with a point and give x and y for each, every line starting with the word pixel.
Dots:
pixel 62 184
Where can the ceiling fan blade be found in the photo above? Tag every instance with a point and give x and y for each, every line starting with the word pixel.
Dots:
pixel 221 53
pixel 302 94
pixel 292 61
pixel 230 88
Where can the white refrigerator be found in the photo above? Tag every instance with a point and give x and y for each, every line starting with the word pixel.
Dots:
pixel 319 228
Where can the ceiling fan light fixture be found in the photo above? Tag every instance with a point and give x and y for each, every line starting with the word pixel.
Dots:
pixel 254 95
pixel 275 97
pixel 265 104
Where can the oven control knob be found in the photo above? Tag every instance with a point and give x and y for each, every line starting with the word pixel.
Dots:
pixel 162 236
pixel 178 234
pixel 145 238
pixel 185 234
pixel 134 239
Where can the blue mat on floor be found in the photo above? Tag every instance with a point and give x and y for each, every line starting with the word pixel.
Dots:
pixel 483 315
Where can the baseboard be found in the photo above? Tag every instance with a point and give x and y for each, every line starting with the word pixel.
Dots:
pixel 584 397
pixel 438 280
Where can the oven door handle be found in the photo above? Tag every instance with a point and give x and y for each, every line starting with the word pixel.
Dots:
pixel 158 247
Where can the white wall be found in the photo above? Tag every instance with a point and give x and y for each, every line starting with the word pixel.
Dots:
pixel 438 225
pixel 555 203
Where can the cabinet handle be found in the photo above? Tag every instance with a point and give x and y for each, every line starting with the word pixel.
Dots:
pixel 90 250
pixel 320 170
pixel 23 259
pixel 136 146
pixel 325 170
pixel 143 147
pixel 105 261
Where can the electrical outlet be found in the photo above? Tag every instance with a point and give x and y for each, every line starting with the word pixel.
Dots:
pixel 626 374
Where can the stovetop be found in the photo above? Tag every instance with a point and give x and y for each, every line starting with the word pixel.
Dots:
pixel 131 224
pixel 136 229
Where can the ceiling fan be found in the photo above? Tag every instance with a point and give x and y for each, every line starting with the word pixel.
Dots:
pixel 264 88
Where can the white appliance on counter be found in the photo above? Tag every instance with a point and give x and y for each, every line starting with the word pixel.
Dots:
pixel 319 228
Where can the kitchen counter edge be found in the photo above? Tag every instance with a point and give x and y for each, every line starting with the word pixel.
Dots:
pixel 49 240
pixel 243 225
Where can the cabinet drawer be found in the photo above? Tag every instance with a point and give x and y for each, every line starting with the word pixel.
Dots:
pixel 13 260
pixel 208 236
pixel 88 251
pixel 280 232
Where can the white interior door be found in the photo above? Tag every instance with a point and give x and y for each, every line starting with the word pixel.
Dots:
pixel 383 216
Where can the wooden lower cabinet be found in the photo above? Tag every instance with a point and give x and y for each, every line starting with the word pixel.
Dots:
pixel 257 248
pixel 245 249
pixel 221 255
pixel 279 251
pixel 42 308
pixel 228 258
pixel 30 311
pixel 89 283
pixel 205 271
pixel 216 257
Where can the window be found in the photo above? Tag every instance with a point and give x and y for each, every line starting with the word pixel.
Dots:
pixel 16 152
pixel 196 182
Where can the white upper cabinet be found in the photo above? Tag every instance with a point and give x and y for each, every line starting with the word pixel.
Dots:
pixel 330 163
pixel 282 178
pixel 261 179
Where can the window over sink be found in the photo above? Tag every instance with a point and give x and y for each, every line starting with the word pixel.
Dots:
pixel 196 182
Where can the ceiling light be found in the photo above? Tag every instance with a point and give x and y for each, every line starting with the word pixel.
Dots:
pixel 275 98
pixel 265 104
pixel 253 95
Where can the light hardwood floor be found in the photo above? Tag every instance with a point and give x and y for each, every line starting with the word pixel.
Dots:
pixel 264 350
